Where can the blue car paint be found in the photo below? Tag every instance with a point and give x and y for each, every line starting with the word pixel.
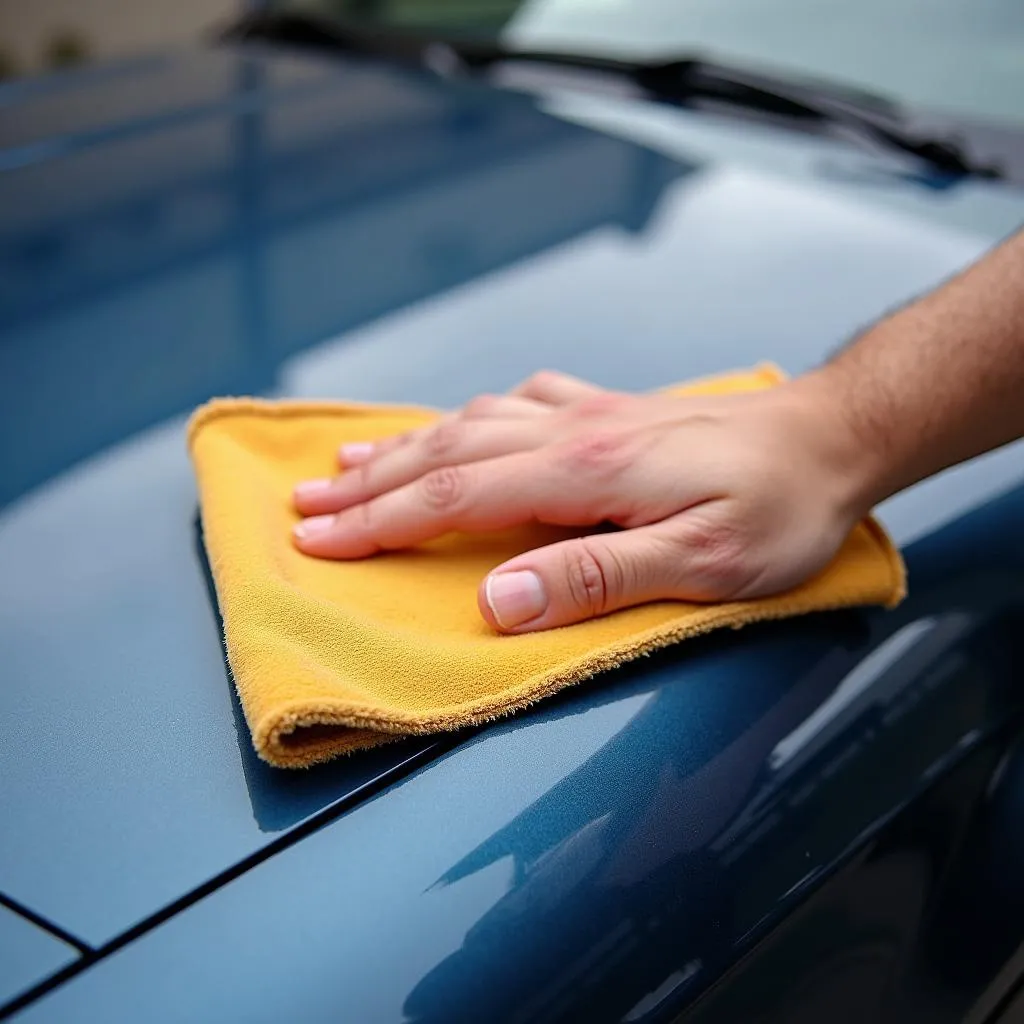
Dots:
pixel 678 811
pixel 29 954
pixel 120 629
pixel 205 253
pixel 260 222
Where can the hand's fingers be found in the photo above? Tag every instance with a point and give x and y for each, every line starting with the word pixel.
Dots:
pixel 490 495
pixel 554 388
pixel 687 557
pixel 452 442
pixel 503 407
pixel 500 407
pixel 357 452
pixel 581 481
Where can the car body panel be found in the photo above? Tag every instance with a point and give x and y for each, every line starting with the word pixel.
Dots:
pixel 125 762
pixel 289 225
pixel 27 954
pixel 923 924
pixel 971 205
pixel 193 257
pixel 676 812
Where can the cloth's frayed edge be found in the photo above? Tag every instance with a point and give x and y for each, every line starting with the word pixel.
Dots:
pixel 222 408
pixel 370 730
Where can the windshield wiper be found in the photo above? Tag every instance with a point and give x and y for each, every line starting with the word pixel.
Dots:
pixel 679 81
pixel 687 79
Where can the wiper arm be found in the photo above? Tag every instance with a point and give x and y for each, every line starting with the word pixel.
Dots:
pixel 693 78
pixel 678 81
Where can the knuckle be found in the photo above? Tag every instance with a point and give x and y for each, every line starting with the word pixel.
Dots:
pixel 543 378
pixel 587 578
pixel 443 440
pixel 443 488
pixel 481 407
pixel 389 444
pixel 596 453
pixel 702 419
pixel 367 513
pixel 361 477
pixel 712 537
pixel 719 552
pixel 538 383
pixel 600 405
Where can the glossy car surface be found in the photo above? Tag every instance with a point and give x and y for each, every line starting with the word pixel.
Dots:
pixel 256 220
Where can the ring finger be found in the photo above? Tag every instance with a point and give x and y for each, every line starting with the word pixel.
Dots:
pixel 497 407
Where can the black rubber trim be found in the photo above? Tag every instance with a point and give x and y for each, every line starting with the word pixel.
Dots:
pixel 92 956
pixel 54 929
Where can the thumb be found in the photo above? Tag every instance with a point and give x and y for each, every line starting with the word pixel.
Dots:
pixel 589 576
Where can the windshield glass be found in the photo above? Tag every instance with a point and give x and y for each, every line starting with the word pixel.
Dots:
pixel 957 56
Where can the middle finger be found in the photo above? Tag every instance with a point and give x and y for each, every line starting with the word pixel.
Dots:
pixel 450 442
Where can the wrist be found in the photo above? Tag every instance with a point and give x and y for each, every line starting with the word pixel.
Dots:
pixel 853 442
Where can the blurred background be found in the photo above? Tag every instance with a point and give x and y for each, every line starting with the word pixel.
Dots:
pixel 40 36
pixel 51 34
pixel 948 55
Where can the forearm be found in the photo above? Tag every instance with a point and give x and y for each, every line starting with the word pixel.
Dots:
pixel 936 383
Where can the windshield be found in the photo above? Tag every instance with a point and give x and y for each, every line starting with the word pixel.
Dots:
pixel 958 56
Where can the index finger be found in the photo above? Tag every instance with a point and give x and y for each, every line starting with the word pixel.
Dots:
pixel 493 494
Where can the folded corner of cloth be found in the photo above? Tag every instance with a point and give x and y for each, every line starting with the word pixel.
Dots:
pixel 332 657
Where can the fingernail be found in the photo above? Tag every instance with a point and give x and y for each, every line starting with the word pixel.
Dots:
pixel 311 488
pixel 312 526
pixel 353 454
pixel 515 597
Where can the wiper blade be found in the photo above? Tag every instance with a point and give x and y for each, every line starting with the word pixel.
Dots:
pixel 687 79
pixel 679 81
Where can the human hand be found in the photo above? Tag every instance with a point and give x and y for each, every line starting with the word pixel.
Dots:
pixel 720 498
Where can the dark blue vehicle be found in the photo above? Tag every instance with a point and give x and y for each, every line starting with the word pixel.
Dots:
pixel 819 820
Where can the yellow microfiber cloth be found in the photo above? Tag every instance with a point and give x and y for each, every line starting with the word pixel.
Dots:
pixel 330 657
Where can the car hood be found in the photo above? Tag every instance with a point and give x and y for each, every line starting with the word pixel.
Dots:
pixel 245 221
